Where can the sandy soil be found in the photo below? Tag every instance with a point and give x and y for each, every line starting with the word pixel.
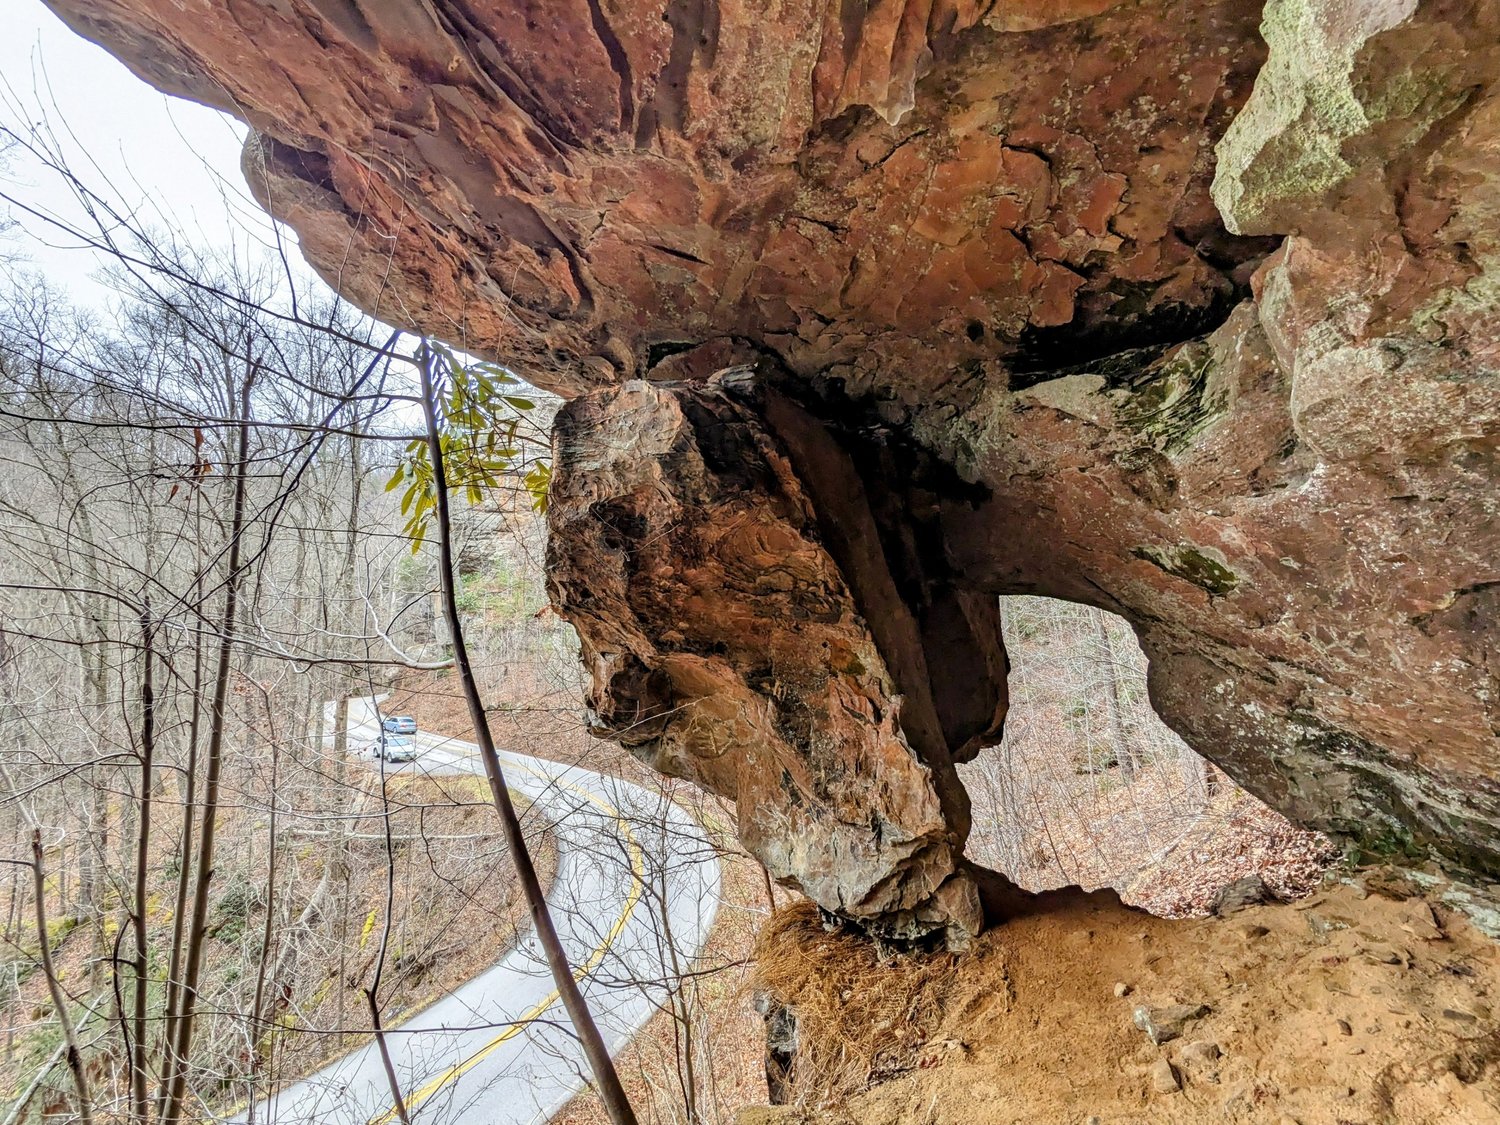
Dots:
pixel 1350 1007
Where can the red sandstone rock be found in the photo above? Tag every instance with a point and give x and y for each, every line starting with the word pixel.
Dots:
pixel 726 647
pixel 1006 269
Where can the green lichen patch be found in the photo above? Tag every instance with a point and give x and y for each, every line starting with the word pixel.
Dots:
pixel 1204 567
pixel 1325 83
pixel 1173 401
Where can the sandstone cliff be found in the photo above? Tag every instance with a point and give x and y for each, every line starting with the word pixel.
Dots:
pixel 870 312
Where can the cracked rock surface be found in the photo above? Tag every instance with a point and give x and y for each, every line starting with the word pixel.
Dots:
pixel 869 313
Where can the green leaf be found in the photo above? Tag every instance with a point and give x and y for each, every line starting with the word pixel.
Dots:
pixel 537 480
pixel 411 495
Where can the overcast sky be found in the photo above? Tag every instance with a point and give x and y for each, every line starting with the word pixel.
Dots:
pixel 172 162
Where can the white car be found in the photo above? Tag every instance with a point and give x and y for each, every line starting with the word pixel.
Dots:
pixel 394 748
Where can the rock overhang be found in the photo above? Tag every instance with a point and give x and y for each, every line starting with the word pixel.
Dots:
pixel 993 334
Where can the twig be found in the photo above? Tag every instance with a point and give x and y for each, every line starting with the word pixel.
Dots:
pixel 59 999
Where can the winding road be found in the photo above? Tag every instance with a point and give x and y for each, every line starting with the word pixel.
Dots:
pixel 633 871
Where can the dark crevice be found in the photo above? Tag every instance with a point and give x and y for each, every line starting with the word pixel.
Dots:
pixel 1125 319
pixel 880 500
pixel 619 61
pixel 1131 324
pixel 671 252
pixel 1118 369
pixel 296 163
pixel 664 349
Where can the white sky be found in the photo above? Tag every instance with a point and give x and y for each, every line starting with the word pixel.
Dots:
pixel 172 162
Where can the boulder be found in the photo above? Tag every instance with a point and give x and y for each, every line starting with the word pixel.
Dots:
pixel 1241 894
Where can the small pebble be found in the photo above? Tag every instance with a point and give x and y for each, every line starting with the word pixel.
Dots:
pixel 1162 1025
pixel 1321 925
pixel 1121 989
pixel 1202 1052
pixel 1164 1078
pixel 1420 921
pixel 1344 1028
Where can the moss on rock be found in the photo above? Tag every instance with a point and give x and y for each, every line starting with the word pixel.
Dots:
pixel 1204 567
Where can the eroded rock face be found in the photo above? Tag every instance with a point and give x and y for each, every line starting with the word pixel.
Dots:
pixel 582 187
pixel 726 646
pixel 1129 303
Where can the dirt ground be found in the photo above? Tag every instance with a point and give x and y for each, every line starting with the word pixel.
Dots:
pixel 1354 1006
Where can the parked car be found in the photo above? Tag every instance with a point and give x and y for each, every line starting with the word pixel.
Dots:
pixel 399 724
pixel 394 748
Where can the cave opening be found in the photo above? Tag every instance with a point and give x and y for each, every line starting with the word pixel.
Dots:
pixel 1090 787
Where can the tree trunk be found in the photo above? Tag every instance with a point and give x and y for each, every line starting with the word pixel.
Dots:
pixel 1118 740
pixel 140 1106
pixel 611 1092
pixel 59 999
pixel 218 718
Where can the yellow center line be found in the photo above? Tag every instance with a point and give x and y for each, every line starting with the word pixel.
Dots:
pixel 592 962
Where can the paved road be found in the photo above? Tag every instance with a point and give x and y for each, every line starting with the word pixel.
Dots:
pixel 497 1050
